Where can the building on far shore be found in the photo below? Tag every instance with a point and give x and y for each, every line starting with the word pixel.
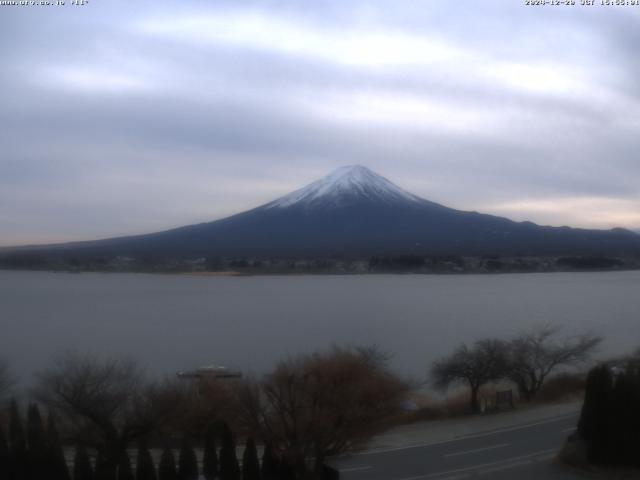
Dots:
pixel 209 372
pixel 208 378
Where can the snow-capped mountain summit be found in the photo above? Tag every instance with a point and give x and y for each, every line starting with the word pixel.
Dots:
pixel 353 211
pixel 343 186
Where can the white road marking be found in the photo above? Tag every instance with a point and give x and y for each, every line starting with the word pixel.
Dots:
pixel 510 465
pixel 467 437
pixel 518 463
pixel 513 461
pixel 356 469
pixel 466 452
pixel 569 429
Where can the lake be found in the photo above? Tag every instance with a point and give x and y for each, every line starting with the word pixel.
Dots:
pixel 175 322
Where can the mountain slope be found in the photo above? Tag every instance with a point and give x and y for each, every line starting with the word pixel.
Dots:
pixel 356 212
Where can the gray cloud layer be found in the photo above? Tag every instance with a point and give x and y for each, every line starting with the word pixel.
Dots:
pixel 126 117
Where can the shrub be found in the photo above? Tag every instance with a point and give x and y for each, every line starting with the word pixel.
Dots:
pixel 82 469
pixel 229 468
pixel 610 418
pixel 250 463
pixel 55 453
pixel 187 462
pixel 4 455
pixel 561 387
pixel 125 472
pixel 17 444
pixel 210 458
pixel 167 468
pixel 145 470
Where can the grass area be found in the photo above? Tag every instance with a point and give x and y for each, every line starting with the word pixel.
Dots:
pixel 563 387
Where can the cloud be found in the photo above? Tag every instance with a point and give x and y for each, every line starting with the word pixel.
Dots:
pixel 261 31
pixel 80 78
pixel 169 115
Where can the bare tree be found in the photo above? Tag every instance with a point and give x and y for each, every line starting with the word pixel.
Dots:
pixel 375 355
pixel 318 405
pixel 484 362
pixel 7 380
pixel 110 398
pixel 537 353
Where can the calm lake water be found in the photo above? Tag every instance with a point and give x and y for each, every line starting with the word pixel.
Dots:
pixel 174 322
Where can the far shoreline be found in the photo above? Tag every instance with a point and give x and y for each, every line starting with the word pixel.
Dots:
pixel 234 273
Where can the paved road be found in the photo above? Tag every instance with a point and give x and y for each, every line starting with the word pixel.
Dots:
pixel 524 451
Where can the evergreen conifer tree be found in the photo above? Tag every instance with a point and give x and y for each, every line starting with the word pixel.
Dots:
pixel 270 464
pixel 125 472
pixel 330 473
pixel 17 444
pixel 624 437
pixel 634 423
pixel 187 461
pixel 250 463
pixel 103 470
pixel 167 469
pixel 620 435
pixel 145 469
pixel 285 470
pixel 82 469
pixel 229 468
pixel 210 458
pixel 610 418
pixel 594 423
pixel 4 455
pixel 37 461
pixel 58 469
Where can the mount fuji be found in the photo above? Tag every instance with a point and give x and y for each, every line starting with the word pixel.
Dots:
pixel 354 211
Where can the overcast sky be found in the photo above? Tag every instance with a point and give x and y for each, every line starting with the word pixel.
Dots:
pixel 130 117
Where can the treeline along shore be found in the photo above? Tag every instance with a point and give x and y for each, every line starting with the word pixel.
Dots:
pixel 334 264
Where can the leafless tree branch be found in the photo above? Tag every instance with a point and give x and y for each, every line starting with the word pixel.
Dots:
pixel 318 405
pixel 484 362
pixel 535 354
pixel 109 396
